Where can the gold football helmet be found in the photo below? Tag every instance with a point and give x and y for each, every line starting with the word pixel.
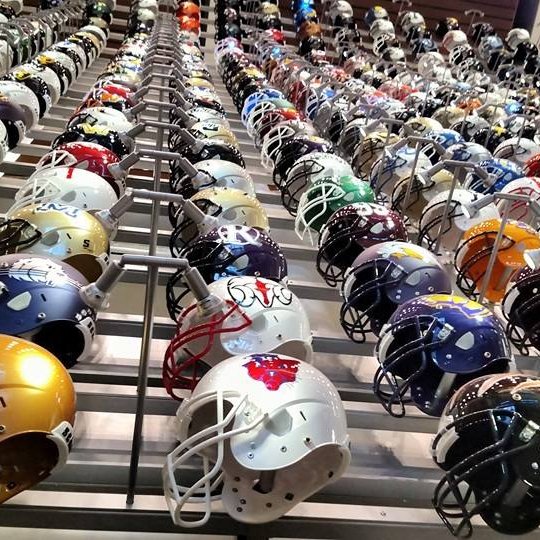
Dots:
pixel 65 232
pixel 37 413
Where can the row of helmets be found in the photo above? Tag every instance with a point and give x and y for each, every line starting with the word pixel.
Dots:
pixel 251 358
pixel 396 172
pixel 51 246
pixel 40 58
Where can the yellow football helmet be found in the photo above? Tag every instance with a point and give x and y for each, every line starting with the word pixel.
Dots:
pixel 37 413
pixel 229 206
pixel 473 254
pixel 65 232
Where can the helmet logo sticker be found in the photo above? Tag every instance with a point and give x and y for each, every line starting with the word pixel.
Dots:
pixel 272 370
pixel 246 293
pixel 70 211
pixel 38 270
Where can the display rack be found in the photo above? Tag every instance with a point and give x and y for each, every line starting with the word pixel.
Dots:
pixel 385 493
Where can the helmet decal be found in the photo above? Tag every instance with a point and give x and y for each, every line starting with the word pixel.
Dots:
pixel 245 294
pixel 39 270
pixel 272 370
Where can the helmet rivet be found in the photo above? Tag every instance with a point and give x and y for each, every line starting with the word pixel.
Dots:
pixel 448 356
pixel 516 397
pixel 534 465
pixel 283 448
pixel 251 455
pixel 487 354
pixel 41 316
pixel 430 289
pixel 68 250
pixel 2 429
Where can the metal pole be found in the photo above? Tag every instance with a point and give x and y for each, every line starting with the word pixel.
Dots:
pixel 494 252
pixel 148 325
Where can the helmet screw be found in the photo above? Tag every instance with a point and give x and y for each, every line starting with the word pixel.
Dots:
pixel 68 250
pixel 534 465
pixel 283 448
pixel 2 429
pixel 41 316
pixel 430 289
pixel 251 455
pixel 516 397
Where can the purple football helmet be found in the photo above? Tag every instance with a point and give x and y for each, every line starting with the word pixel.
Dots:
pixel 350 231
pixel 381 279
pixel 227 251
pixel 433 345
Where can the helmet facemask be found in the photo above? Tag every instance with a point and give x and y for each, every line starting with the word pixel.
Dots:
pixel 16 234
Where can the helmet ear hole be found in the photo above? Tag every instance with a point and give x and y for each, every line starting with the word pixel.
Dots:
pixel 69 348
pixel 25 460
pixel 87 265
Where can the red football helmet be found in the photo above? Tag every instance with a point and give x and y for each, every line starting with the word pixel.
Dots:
pixel 188 9
pixel 189 24
pixel 89 156
pixel 116 88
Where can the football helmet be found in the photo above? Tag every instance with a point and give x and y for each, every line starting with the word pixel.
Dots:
pixel 501 172
pixel 41 301
pixel 370 150
pixel 294 148
pixel 517 36
pixel 486 445
pixel 374 13
pixel 454 38
pixel 520 210
pixel 255 99
pixel 423 188
pixel 517 149
pixel 217 173
pixel 449 231
pixel 13 118
pixel 37 85
pixel 474 253
pixel 519 308
pixel 396 165
pixel 277 387
pixel 33 446
pixel 47 75
pixel 228 205
pixel 446 25
pixel 227 251
pixel 87 156
pixel 467 151
pixel 381 278
pixel 61 231
pixel 106 137
pixel 206 149
pixel 66 185
pixel 69 68
pixel 325 197
pixel 279 135
pixel 101 116
pixel 349 232
pixel 25 98
pixel 257 314
pixel 431 346
pixel 449 115
pixel 307 170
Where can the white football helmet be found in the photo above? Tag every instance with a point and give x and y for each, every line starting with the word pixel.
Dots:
pixel 277 136
pixel 271 428
pixel 74 187
pixel 517 36
pixel 48 76
pixel 23 96
pixel 380 27
pixel 6 56
pixel 103 116
pixel 451 230
pixel 256 314
pixel 63 59
pixel 520 210
pixel 517 150
pixel 223 174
